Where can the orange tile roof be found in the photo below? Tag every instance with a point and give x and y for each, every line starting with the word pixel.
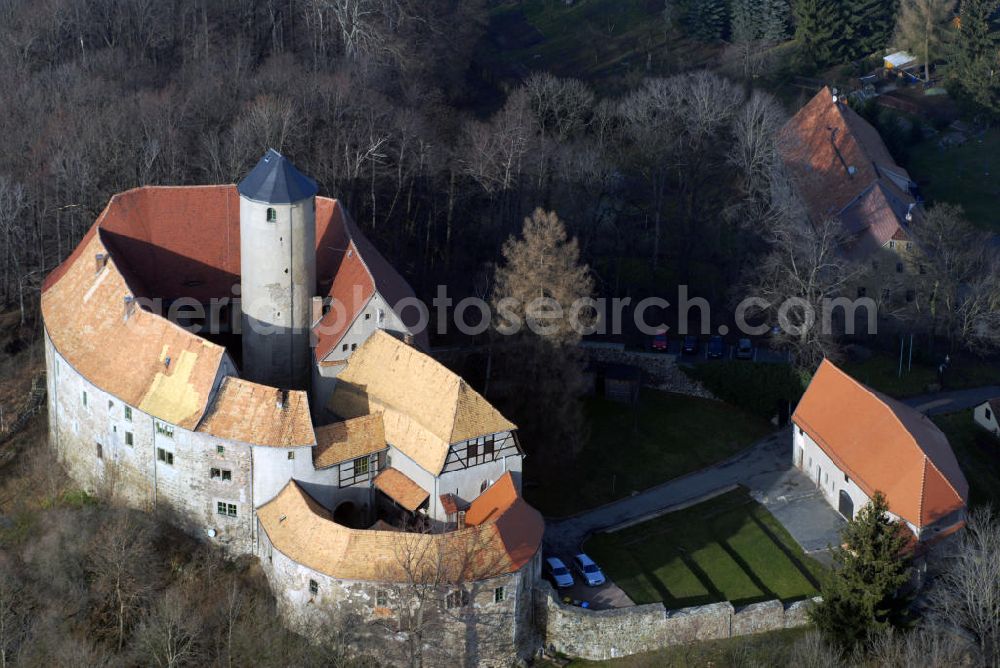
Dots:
pixel 259 414
pixel 397 486
pixel 170 242
pixel 508 535
pixel 883 445
pixel 350 439
pixel 842 169
pixel 84 314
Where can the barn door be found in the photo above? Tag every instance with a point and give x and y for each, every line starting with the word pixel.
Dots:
pixel 846 505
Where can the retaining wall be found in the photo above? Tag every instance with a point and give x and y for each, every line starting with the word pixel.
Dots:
pixel 606 634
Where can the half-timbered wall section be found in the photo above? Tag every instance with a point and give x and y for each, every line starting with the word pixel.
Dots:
pixel 482 450
pixel 363 469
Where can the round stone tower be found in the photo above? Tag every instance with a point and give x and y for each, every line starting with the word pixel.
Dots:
pixel 277 271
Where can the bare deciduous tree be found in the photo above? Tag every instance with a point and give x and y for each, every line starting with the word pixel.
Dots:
pixel 965 595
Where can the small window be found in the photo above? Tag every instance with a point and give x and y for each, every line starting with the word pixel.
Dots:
pixel 165 456
pixel 100 451
pixel 313 587
pixel 361 466
pixel 471 451
pixel 499 594
pixel 909 245
pixel 988 414
pixel 111 405
pixel 215 473
pixel 846 479
pixel 272 215
pixel 368 316
pixel 164 429
pixel 128 413
pixel 226 475
pixel 892 244
pixel 862 291
pixel 291 454
pixel 457 599
pixel 220 450
pixel 381 598
pixel 484 486
pixel 488 447
pixel 225 509
pixel 899 267
pixel 85 397
pixel 344 348
pixel 129 439
pixel 354 346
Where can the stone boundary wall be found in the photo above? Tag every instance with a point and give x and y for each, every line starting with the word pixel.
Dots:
pixel 599 635
pixel 659 370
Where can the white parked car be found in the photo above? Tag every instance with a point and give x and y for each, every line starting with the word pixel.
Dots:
pixel 556 571
pixel 590 571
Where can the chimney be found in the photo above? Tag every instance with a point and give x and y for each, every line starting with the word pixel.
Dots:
pixel 408 339
pixel 317 310
pixel 129 306
pixel 100 261
pixel 282 399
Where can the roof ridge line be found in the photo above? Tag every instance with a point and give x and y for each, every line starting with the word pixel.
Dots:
pixel 911 438
pixel 923 486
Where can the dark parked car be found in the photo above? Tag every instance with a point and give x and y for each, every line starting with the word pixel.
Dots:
pixel 659 343
pixel 716 347
pixel 744 350
pixel 690 346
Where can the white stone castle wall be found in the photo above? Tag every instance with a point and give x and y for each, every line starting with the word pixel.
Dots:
pixel 133 473
pixel 484 633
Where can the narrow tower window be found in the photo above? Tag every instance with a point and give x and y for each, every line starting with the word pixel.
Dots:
pixel 272 216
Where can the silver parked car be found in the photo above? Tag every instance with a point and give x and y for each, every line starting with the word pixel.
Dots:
pixel 589 570
pixel 557 572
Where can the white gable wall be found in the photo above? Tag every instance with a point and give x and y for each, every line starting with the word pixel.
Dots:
pixel 810 458
pixel 986 418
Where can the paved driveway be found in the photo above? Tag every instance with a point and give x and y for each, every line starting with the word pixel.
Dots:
pixel 795 501
pixel 765 468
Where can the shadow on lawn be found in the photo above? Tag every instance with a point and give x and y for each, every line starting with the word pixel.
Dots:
pixel 659 557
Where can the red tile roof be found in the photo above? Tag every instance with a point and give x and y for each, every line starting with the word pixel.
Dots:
pixel 171 242
pixel 842 169
pixel 883 445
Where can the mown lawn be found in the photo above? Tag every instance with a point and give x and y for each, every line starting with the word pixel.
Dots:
pixel 631 449
pixel 968 175
pixel 978 453
pixel 729 548
pixel 881 372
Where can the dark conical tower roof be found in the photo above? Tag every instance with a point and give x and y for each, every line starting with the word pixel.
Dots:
pixel 275 180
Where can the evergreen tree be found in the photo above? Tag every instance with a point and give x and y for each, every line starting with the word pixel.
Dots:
pixel 758 20
pixel 869 568
pixel 773 24
pixel 706 20
pixel 868 26
pixel 924 29
pixel 975 61
pixel 818 30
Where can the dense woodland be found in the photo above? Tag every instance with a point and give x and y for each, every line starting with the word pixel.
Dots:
pixel 670 180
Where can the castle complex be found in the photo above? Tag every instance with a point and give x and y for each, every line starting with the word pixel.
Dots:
pixel 243 357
